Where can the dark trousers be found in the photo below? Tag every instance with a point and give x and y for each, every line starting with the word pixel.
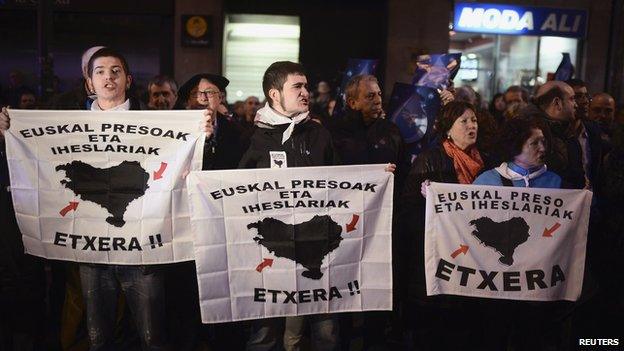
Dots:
pixel 145 297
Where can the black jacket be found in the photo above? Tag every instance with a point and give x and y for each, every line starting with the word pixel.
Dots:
pixel 309 145
pixel 21 275
pixel 224 150
pixel 378 142
pixel 435 165
pixel 564 155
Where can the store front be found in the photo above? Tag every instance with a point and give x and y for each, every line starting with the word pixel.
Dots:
pixel 504 45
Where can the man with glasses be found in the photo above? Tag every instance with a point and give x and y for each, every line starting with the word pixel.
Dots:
pixel 581 97
pixel 587 132
pixel 222 150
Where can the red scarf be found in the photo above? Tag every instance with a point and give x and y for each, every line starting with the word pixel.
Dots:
pixel 467 162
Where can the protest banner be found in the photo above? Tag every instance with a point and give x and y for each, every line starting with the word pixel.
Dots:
pixel 506 242
pixel 104 187
pixel 295 241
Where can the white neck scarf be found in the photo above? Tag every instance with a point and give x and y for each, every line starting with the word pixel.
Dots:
pixel 510 174
pixel 123 107
pixel 267 117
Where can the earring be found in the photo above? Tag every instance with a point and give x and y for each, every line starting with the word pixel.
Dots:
pixel 448 136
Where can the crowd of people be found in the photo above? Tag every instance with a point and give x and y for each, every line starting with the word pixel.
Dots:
pixel 558 136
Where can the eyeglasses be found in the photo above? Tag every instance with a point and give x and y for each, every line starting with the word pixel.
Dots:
pixel 208 93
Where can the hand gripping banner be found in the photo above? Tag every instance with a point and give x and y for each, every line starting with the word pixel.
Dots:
pixel 506 242
pixel 296 241
pixel 104 187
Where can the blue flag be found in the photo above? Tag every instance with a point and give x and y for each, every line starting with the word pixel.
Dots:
pixel 565 70
pixel 413 109
pixel 354 67
pixel 435 71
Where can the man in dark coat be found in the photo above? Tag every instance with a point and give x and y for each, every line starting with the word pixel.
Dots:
pixel 554 103
pixel 364 136
pixel 287 137
pixel 22 278
pixel 222 150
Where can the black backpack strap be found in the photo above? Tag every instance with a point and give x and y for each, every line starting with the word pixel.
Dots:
pixel 506 182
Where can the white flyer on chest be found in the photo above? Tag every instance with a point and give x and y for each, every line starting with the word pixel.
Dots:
pixel 506 242
pixel 104 187
pixel 295 241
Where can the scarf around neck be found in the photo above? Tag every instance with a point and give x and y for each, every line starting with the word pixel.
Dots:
pixel 266 117
pixel 512 171
pixel 467 163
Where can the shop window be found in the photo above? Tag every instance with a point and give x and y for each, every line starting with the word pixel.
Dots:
pixel 491 63
pixel 250 44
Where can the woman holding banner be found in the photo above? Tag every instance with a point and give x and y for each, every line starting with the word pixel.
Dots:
pixel 524 144
pixel 440 322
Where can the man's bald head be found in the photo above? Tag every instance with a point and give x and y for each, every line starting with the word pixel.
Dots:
pixel 548 86
pixel 602 109
pixel 556 98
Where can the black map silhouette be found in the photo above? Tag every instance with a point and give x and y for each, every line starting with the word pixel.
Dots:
pixel 503 237
pixel 113 188
pixel 306 243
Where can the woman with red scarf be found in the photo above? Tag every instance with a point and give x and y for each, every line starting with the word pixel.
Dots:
pixel 438 322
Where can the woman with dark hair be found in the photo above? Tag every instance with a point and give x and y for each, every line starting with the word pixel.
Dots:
pixel 455 159
pixel 523 144
pixel 497 107
pixel 438 322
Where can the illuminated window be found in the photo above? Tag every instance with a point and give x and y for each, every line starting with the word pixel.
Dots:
pixel 250 44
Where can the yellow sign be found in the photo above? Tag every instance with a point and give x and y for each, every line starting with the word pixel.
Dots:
pixel 196 26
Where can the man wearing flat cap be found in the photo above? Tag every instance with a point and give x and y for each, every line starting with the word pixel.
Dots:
pixel 222 150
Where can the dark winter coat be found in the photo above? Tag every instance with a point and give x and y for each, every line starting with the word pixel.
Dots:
pixel 564 155
pixel 309 145
pixel 378 142
pixel 435 165
pixel 21 276
pixel 224 150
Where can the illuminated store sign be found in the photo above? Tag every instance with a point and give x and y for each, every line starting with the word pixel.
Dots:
pixel 518 20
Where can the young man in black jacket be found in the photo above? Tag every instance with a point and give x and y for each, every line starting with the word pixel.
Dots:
pixel 287 137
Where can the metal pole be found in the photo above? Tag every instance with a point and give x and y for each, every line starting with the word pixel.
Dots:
pixel 494 83
pixel 44 28
pixel 537 61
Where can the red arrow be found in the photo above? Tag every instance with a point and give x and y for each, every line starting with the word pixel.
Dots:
pixel 158 174
pixel 72 206
pixel 354 220
pixel 462 249
pixel 267 262
pixel 548 232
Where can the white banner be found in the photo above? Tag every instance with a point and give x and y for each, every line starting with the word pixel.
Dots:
pixel 295 241
pixel 104 187
pixel 506 242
